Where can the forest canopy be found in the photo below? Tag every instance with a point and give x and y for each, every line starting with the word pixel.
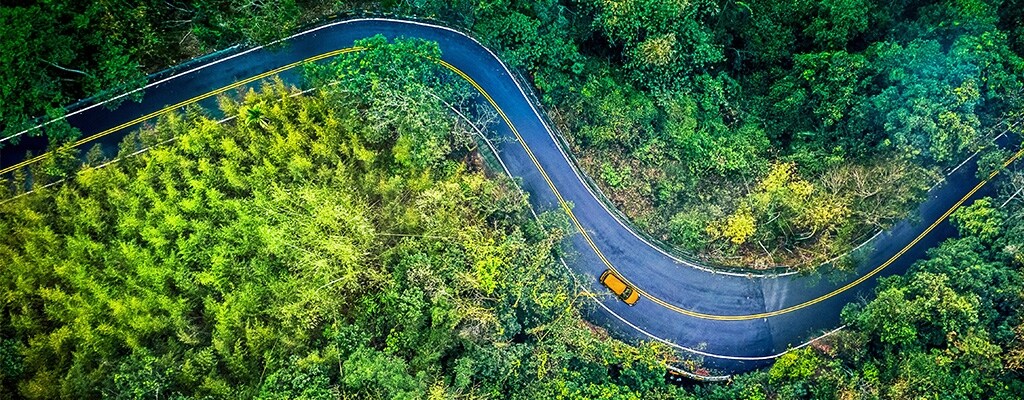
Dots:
pixel 340 243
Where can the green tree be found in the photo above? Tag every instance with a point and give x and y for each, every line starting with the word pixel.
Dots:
pixel 663 42
pixel 980 220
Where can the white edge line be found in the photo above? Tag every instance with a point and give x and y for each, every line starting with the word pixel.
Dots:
pixel 1011 197
pixel 975 154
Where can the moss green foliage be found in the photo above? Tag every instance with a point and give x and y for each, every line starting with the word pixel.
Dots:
pixel 317 246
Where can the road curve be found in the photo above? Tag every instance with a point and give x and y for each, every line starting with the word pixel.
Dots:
pixel 732 322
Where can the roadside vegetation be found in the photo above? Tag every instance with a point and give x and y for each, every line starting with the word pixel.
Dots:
pixel 344 243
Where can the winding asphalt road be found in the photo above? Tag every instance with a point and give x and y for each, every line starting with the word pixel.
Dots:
pixel 732 322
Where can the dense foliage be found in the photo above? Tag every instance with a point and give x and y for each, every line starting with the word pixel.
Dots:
pixel 325 245
pixel 344 243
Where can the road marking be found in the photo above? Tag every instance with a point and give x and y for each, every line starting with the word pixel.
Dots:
pixel 564 205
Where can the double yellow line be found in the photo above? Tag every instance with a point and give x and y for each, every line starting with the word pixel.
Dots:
pixel 558 195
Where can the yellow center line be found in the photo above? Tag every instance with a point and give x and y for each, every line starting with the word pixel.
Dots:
pixel 561 201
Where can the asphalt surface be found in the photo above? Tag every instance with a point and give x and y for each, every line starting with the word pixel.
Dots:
pixel 726 346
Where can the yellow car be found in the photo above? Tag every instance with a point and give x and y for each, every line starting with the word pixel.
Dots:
pixel 621 289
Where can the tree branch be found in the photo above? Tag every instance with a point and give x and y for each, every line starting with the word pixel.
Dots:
pixel 64 69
